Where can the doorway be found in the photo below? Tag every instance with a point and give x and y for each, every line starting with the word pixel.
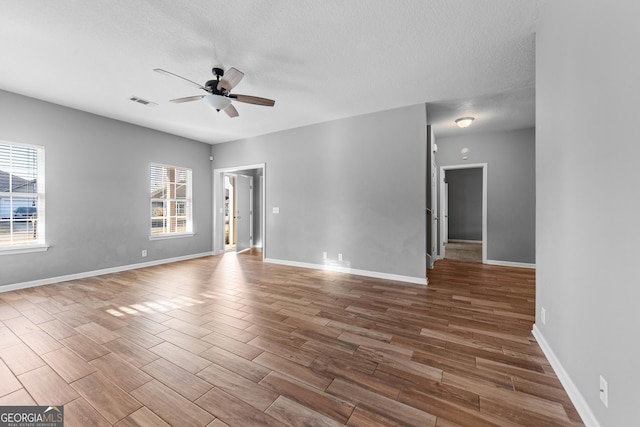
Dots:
pixel 238 212
pixel 238 208
pixel 445 201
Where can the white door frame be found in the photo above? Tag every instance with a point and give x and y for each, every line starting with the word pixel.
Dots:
pixel 218 205
pixel 443 232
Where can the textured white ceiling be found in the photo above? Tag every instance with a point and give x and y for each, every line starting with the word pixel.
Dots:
pixel 320 60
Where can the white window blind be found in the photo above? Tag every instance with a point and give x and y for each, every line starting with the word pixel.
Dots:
pixel 170 194
pixel 21 195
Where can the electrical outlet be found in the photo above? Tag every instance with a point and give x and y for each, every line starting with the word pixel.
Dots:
pixel 324 255
pixel 604 392
pixel 144 253
pixel 543 315
pixel 339 257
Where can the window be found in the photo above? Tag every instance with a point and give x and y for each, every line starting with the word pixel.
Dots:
pixel 170 193
pixel 21 197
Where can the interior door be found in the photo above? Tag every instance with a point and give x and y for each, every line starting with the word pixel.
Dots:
pixel 443 203
pixel 243 212
pixel 445 210
pixel 434 211
pixel 432 200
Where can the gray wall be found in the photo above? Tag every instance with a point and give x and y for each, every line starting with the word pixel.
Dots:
pixel 511 188
pixel 587 93
pixel 465 203
pixel 354 186
pixel 97 189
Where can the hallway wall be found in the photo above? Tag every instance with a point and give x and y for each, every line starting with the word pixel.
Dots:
pixel 587 152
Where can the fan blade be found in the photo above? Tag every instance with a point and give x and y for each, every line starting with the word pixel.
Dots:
pixel 168 73
pixel 253 100
pixel 231 111
pixel 188 98
pixel 230 79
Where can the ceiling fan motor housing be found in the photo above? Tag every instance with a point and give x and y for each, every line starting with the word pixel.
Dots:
pixel 212 86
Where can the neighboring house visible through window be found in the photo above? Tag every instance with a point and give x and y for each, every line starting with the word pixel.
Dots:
pixel 21 198
pixel 170 201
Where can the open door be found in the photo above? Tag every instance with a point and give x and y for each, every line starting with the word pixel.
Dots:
pixel 444 214
pixel 243 212
pixel 432 200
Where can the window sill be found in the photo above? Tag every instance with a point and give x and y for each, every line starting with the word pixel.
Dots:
pixel 23 249
pixel 170 236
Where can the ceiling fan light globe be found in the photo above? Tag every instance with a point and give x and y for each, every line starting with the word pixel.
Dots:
pixel 217 102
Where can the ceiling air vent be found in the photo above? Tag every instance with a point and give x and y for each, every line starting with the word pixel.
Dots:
pixel 143 101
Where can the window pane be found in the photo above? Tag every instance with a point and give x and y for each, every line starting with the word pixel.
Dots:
pixel 181 176
pixel 24 208
pixel 24 231
pixel 5 150
pixel 24 162
pixel 157 225
pixel 157 208
pixel 5 232
pixel 157 179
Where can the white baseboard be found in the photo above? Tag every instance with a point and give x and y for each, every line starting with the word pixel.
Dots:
pixel 463 241
pixel 83 275
pixel 576 397
pixel 510 264
pixel 409 279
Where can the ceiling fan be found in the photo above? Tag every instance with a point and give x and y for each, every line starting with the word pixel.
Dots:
pixel 218 91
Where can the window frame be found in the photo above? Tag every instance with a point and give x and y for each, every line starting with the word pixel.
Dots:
pixel 38 245
pixel 186 202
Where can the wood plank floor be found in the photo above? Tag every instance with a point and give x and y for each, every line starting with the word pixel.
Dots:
pixel 228 340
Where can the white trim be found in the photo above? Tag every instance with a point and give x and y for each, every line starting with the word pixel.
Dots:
pixel 463 241
pixel 240 168
pixel 12 250
pixel 510 263
pixel 588 418
pixel 170 236
pixel 376 274
pixel 83 275
pixel 485 187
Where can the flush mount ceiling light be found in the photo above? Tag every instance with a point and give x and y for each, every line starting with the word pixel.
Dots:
pixel 217 102
pixel 464 122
